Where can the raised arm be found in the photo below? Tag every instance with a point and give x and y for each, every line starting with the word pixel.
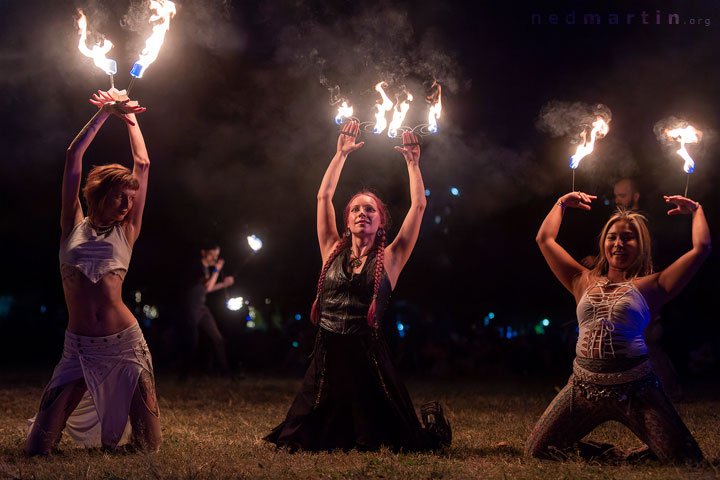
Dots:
pixel 398 252
pixel 71 212
pixel 673 279
pixel 211 283
pixel 141 169
pixel 566 269
pixel 121 106
pixel 326 226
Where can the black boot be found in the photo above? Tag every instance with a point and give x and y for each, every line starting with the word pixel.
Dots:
pixel 436 423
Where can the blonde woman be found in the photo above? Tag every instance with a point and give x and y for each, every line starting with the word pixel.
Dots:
pixel 612 376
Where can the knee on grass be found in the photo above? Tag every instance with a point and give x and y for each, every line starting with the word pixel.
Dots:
pixel 36 446
pixel 147 439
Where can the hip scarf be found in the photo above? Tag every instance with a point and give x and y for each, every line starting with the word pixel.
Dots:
pixel 615 378
pixel 111 367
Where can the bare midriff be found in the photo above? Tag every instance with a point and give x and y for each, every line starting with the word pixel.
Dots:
pixel 95 309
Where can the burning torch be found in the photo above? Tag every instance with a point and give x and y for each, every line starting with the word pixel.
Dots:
pixel 381 108
pixel 435 101
pixel 399 112
pixel 255 245
pixel 163 12
pixel 599 130
pixel 687 134
pixel 344 112
pixel 399 108
pixel 98 51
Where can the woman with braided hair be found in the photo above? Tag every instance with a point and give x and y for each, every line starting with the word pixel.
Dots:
pixel 351 396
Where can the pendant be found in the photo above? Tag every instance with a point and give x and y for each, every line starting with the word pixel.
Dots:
pixel 355 263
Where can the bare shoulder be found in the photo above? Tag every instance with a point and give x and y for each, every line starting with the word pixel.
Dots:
pixel 647 281
pixel 649 288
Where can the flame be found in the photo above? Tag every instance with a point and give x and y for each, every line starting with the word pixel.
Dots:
pixel 343 112
pixel 685 135
pixel 164 10
pixel 98 51
pixel 385 106
pixel 600 129
pixel 435 109
pixel 401 109
pixel 254 242
pixel 235 303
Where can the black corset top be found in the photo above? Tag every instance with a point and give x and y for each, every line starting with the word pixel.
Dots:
pixel 346 297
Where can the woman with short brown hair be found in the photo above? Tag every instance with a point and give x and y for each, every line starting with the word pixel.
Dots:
pixel 105 374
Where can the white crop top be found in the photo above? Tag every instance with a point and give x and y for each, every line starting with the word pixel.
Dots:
pixel 93 254
pixel 612 318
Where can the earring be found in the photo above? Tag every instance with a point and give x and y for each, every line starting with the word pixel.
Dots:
pixel 347 232
pixel 380 232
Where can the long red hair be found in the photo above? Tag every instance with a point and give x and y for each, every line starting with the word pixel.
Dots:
pixel 344 243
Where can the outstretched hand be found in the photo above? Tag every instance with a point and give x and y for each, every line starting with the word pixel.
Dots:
pixel 410 147
pixel 346 140
pixel 682 205
pixel 579 200
pixel 114 103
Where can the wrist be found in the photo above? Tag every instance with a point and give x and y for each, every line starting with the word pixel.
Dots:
pixel 103 112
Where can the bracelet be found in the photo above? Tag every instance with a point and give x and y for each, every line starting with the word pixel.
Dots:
pixel 215 270
pixel 562 205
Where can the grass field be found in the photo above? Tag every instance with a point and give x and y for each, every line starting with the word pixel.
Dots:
pixel 213 428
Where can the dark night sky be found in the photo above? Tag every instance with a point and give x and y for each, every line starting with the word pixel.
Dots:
pixel 239 131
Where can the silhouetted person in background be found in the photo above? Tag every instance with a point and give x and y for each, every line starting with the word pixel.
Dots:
pixel 203 279
pixel 627 194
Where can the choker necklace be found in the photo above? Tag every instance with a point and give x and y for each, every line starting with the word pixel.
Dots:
pixel 606 283
pixel 101 229
pixel 356 261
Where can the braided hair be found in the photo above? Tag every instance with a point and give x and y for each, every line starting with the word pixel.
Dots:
pixel 341 245
pixel 379 265
pixel 345 243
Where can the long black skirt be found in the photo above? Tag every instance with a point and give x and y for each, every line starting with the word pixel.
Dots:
pixel 352 397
